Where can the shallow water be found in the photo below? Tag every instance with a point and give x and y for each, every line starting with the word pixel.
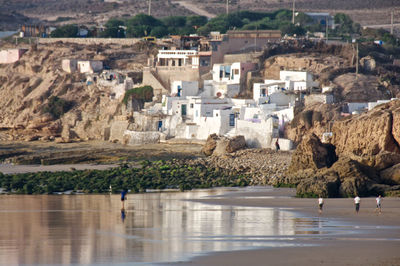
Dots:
pixel 156 227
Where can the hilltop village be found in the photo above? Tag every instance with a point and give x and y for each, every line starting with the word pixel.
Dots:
pixel 243 88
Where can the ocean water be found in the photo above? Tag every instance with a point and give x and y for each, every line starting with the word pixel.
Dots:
pixel 155 227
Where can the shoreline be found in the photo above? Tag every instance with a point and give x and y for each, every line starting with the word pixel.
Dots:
pixel 375 240
pixel 7 169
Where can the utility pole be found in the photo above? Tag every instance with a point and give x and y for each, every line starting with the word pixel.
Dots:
pixel 326 22
pixel 294 4
pixel 227 7
pixel 149 7
pixel 391 22
pixel 255 41
pixel 357 61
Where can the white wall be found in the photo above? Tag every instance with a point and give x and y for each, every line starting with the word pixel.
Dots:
pixel 218 124
pixel 11 55
pixel 356 106
pixel 372 105
pixel 69 65
pixel 90 66
pixel 188 88
pixel 258 135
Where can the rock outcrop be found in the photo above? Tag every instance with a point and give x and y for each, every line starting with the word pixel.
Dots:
pixel 312 154
pixel 218 146
pixel 367 162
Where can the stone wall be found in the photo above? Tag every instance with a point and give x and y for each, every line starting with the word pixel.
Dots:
pixel 117 129
pixel 318 98
pixel 136 137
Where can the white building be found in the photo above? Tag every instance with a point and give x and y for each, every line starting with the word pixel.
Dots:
pixel 176 57
pixel 83 66
pixel 90 66
pixel 297 80
pixel 227 79
pixel 184 88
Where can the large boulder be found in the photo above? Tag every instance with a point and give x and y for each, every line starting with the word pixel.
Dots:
pixel 355 178
pixel 322 185
pixel 312 153
pixel 391 175
pixel 210 144
pixel 222 145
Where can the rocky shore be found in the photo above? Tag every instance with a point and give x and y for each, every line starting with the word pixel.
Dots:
pixel 265 166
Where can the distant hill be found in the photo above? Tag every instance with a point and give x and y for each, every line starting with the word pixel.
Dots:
pixel 98 11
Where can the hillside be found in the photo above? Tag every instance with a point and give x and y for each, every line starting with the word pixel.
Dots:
pixel 98 11
pixel 27 87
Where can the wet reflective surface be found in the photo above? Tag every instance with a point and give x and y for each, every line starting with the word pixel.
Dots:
pixel 155 227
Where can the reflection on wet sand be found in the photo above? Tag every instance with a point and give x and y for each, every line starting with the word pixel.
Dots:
pixel 154 227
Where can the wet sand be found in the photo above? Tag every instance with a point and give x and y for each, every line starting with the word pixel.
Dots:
pixel 378 244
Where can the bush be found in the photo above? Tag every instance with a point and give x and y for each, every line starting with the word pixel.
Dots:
pixel 57 107
pixel 144 93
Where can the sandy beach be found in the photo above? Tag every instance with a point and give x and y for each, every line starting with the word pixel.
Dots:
pixel 375 241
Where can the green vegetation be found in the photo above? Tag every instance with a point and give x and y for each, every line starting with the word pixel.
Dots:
pixel 143 25
pixel 67 31
pixel 114 28
pixel 57 106
pixel 151 175
pixel 285 185
pixel 144 93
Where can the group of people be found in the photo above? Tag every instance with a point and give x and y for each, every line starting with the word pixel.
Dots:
pixel 357 201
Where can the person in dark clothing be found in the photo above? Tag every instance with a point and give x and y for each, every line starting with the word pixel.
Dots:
pixel 277 147
pixel 123 197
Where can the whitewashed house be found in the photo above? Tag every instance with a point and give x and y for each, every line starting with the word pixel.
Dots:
pixel 184 88
pixel 227 79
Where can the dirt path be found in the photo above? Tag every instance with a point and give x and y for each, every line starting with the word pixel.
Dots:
pixel 195 9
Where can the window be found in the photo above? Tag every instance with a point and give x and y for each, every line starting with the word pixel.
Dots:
pixel 232 120
pixel 191 106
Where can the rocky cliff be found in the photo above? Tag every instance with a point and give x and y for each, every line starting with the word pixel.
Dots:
pixel 38 100
pixel 362 158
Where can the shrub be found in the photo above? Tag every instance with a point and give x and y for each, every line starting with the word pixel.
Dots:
pixel 144 93
pixel 57 107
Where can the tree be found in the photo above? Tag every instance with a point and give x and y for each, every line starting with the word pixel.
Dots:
pixel 114 29
pixel 159 31
pixel 141 25
pixel 196 21
pixel 303 19
pixel 345 24
pixel 66 31
pixel 174 21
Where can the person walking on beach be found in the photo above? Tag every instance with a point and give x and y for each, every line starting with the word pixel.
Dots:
pixel 357 203
pixel 378 204
pixel 123 198
pixel 320 204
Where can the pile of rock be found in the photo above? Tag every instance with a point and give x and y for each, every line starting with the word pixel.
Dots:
pixel 265 166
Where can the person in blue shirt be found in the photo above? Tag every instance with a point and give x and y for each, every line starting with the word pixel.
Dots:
pixel 123 197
